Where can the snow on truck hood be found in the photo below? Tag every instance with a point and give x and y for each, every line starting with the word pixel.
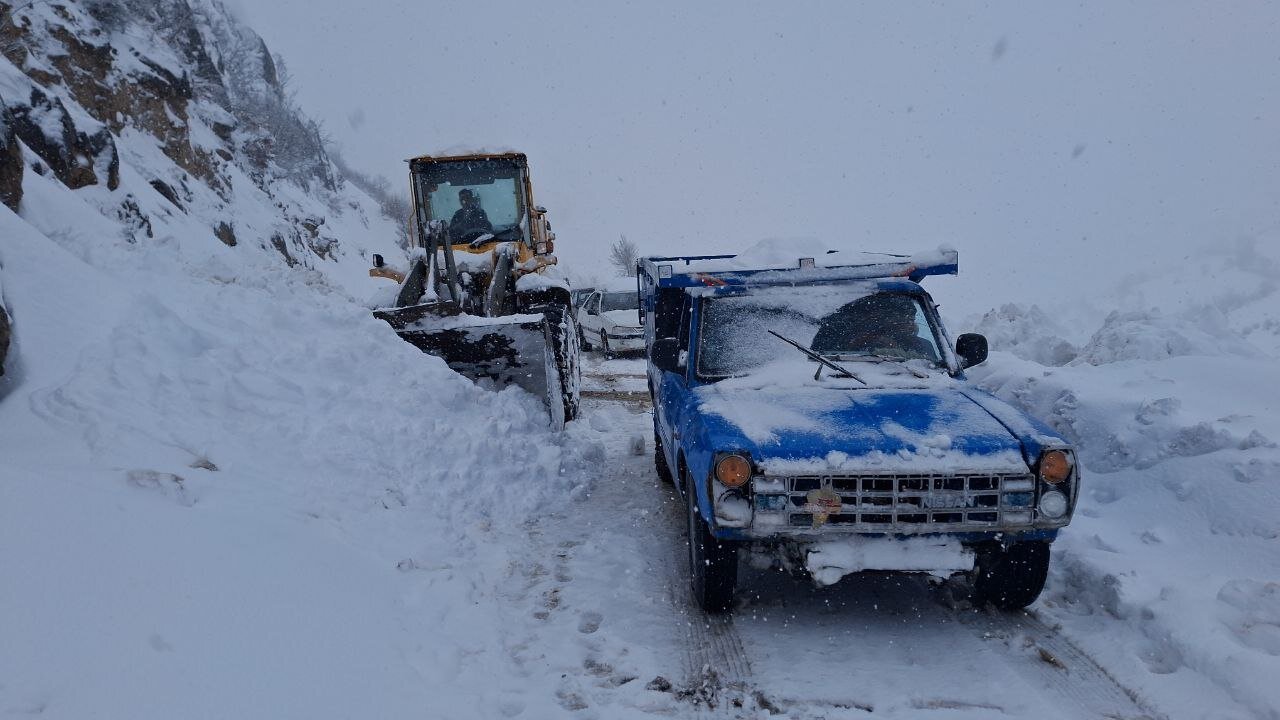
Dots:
pixel 938 425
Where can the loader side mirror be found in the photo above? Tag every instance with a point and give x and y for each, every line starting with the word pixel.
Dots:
pixel 378 261
pixel 971 348
pixel 665 354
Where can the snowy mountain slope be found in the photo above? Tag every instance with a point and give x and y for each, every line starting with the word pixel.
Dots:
pixel 172 119
pixel 225 489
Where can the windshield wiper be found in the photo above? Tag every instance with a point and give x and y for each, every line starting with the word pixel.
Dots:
pixel 893 359
pixel 815 356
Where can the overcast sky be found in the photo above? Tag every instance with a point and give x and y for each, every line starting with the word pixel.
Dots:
pixel 1056 147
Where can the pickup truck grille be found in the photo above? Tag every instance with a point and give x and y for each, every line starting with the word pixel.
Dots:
pixel 902 503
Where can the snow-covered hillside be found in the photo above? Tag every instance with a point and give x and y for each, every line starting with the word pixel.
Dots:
pixel 225 489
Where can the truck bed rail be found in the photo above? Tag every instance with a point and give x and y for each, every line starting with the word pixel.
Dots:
pixel 721 270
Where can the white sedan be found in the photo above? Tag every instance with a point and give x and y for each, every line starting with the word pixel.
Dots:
pixel 610 321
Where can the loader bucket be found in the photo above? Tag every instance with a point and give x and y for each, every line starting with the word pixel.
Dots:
pixel 536 352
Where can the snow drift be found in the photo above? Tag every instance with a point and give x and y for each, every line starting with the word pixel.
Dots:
pixel 1173 401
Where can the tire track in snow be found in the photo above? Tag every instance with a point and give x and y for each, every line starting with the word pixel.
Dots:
pixel 713 660
pixel 1048 659
pixel 714 656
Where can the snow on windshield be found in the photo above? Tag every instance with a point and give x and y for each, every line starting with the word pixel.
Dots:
pixel 838 320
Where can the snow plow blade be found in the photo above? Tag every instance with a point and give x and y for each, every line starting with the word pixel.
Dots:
pixel 531 351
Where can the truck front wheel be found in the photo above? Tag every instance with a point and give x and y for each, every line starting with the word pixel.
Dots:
pixel 713 563
pixel 1012 578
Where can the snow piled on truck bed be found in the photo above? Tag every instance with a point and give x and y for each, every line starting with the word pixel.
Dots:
pixel 1174 402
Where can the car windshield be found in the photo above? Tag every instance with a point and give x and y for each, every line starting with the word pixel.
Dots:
pixel 836 321
pixel 619 301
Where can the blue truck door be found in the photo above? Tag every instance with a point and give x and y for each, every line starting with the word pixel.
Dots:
pixel 671 390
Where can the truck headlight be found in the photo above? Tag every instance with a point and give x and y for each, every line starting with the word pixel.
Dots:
pixel 1053 505
pixel 733 470
pixel 1055 466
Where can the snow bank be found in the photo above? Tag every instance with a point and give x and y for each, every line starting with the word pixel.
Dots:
pixel 1151 335
pixel 226 489
pixel 1030 333
pixel 232 460
pixel 1175 414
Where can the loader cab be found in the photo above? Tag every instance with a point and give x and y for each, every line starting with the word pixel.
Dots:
pixel 479 198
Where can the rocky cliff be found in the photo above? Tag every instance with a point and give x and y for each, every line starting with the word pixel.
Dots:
pixel 166 115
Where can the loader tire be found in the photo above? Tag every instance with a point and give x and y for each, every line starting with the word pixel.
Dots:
pixel 564 356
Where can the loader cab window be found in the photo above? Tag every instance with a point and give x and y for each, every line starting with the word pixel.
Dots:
pixel 492 189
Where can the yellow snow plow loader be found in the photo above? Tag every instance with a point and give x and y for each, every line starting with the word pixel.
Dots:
pixel 482 290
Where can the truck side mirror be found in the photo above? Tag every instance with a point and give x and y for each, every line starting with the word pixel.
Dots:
pixel 971 348
pixel 665 354
pixel 378 261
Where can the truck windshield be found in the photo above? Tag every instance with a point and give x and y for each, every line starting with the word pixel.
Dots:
pixel 619 301
pixel 843 322
pixel 474 197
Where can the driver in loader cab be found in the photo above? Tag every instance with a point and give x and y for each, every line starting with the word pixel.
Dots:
pixel 470 221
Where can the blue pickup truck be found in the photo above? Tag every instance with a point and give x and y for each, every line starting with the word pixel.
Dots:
pixel 815 413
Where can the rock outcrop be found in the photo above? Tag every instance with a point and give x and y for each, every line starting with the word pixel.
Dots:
pixel 5 329
pixel 11 164
pixel 79 156
pixel 85 81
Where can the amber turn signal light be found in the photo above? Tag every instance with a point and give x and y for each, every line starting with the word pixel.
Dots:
pixel 733 471
pixel 1055 466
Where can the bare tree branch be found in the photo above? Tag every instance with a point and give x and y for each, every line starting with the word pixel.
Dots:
pixel 623 255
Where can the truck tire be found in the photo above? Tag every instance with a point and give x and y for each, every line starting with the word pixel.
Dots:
pixel 1012 578
pixel 713 564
